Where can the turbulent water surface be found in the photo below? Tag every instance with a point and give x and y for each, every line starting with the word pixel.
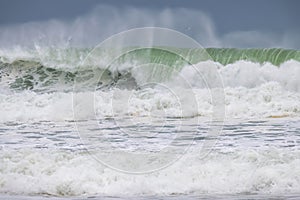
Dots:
pixel 53 144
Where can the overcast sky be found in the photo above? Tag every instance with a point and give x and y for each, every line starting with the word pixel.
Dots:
pixel 228 16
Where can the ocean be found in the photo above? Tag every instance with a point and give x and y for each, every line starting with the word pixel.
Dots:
pixel 154 123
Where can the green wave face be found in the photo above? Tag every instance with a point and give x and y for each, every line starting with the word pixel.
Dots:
pixel 274 56
pixel 223 56
pixel 155 64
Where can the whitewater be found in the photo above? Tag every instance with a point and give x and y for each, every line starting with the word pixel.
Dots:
pixel 53 144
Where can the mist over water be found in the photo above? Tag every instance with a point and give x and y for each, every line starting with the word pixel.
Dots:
pixel 103 21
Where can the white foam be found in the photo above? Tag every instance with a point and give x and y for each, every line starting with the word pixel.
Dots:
pixel 251 90
pixel 250 75
pixel 30 106
pixel 267 100
pixel 246 74
pixel 64 173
